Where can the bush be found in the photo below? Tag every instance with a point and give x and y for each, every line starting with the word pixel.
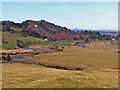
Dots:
pixel 7 58
pixel 3 57
pixel 58 67
pixel 78 69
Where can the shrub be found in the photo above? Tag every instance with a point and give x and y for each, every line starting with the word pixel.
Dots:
pixel 79 69
pixel 66 68
pixel 48 66
pixel 58 67
pixel 6 58
pixel 3 57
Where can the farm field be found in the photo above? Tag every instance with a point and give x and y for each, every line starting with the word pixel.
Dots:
pixel 95 56
pixel 14 76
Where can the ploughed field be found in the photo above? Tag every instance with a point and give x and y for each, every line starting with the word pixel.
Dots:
pixel 17 75
pixel 95 56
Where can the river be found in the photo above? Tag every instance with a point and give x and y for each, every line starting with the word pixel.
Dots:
pixel 21 57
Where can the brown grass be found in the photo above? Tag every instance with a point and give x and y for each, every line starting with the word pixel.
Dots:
pixel 34 76
pixel 96 56
pixel 16 50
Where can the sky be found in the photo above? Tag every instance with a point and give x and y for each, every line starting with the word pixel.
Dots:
pixel 82 15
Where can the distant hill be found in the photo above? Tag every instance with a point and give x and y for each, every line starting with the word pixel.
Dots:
pixel 76 29
pixel 102 31
pixel 109 30
pixel 46 30
pixel 41 29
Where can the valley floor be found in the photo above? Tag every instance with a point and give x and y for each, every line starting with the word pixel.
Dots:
pixel 97 56
pixel 94 57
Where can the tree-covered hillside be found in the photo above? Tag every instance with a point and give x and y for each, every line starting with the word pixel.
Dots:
pixel 46 30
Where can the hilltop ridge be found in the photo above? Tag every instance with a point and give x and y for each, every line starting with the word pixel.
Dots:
pixel 41 29
pixel 46 30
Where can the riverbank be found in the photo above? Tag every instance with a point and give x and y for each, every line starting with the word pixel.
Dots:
pixel 97 56
pixel 19 57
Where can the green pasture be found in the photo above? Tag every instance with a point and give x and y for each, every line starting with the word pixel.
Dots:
pixel 16 29
pixel 11 39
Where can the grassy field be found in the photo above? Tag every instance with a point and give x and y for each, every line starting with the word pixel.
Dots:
pixel 17 51
pixel 34 76
pixel 97 55
pixel 11 38
pixel 16 29
pixel 66 43
pixel 115 41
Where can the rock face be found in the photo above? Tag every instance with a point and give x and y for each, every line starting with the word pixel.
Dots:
pixel 41 29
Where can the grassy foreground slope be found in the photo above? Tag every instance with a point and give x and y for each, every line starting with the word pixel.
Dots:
pixel 34 76
pixel 11 38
